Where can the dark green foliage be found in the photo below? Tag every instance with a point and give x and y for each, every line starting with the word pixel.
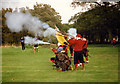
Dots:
pixel 47 14
pixel 99 23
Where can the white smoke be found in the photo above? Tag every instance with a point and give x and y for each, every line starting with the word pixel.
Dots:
pixel 50 31
pixel 17 21
pixel 72 31
pixel 32 41
pixel 45 25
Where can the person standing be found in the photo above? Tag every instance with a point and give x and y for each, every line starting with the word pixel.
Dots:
pixel 78 50
pixel 71 46
pixel 114 42
pixel 35 45
pixel 85 50
pixel 22 43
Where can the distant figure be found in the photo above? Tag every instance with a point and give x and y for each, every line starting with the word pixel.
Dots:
pixel 35 45
pixel 22 43
pixel 114 42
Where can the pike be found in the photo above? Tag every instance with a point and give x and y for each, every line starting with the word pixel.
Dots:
pixel 65 34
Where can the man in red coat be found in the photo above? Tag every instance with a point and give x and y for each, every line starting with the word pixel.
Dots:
pixel 78 50
pixel 114 42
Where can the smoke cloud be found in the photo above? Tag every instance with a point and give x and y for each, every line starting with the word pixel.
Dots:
pixel 50 31
pixel 32 41
pixel 18 21
pixel 72 31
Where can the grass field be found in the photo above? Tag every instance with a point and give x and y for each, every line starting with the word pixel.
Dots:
pixel 27 66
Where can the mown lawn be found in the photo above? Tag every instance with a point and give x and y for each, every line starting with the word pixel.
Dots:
pixel 27 66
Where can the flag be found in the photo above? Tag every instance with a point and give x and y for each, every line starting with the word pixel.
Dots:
pixel 60 38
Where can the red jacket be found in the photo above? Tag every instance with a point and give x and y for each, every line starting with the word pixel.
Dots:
pixel 65 49
pixel 70 41
pixel 54 50
pixel 85 44
pixel 78 44
pixel 114 41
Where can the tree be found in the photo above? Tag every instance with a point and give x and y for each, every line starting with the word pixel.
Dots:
pixel 44 11
pixel 102 21
pixel 47 14
pixel 9 37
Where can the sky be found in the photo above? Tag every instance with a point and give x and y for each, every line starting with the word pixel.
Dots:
pixel 63 7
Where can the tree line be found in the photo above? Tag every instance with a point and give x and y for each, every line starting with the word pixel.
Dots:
pixel 46 14
pixel 99 24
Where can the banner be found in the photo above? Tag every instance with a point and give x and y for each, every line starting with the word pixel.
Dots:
pixel 60 38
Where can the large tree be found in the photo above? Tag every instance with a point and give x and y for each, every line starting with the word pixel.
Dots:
pixel 47 14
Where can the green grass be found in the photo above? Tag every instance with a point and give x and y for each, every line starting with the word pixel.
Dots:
pixel 27 66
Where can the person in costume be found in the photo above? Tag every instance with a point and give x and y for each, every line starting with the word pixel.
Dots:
pixel 85 50
pixel 71 46
pixel 35 45
pixel 78 50
pixel 22 43
pixel 113 42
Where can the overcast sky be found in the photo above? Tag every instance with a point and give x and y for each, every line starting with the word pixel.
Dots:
pixel 61 6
